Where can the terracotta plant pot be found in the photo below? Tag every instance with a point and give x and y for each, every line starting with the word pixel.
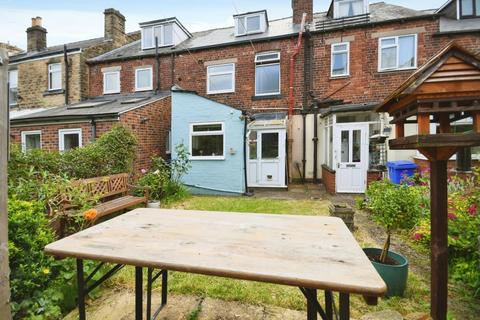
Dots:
pixel 395 276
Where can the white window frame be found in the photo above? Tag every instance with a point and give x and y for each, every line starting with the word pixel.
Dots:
pixel 268 62
pixel 396 45
pixel 15 88
pixel 207 133
pixel 168 146
pixel 212 73
pixel 28 133
pixel 242 21
pixel 50 72
pixel 61 137
pixel 336 9
pixel 117 90
pixel 137 88
pixel 161 39
pixel 333 52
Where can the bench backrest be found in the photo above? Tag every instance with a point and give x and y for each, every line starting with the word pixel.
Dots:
pixel 106 186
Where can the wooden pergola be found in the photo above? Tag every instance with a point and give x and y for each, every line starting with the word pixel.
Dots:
pixel 444 90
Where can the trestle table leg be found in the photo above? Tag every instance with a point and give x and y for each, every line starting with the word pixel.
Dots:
pixel 344 306
pixel 311 306
pixel 329 304
pixel 138 293
pixel 164 287
pixel 81 290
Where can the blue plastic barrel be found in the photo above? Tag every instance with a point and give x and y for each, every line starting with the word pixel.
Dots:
pixel 397 170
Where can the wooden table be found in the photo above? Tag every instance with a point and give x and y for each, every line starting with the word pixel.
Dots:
pixel 303 251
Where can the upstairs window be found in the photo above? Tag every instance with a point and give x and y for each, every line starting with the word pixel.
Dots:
pixel 250 23
pixel 349 8
pixel 340 59
pixel 469 9
pixel 31 140
pixel 163 32
pixel 55 76
pixel 267 74
pixel 221 78
pixel 111 82
pixel 13 83
pixel 398 53
pixel 207 141
pixel 143 79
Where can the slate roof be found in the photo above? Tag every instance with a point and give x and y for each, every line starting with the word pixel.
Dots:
pixel 99 107
pixel 280 28
pixel 57 49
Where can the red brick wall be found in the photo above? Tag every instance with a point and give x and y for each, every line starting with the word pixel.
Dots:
pixel 373 176
pixel 150 124
pixel 328 179
pixel 191 74
pixel 424 166
pixel 365 83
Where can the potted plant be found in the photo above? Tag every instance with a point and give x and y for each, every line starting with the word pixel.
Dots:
pixel 153 181
pixel 394 207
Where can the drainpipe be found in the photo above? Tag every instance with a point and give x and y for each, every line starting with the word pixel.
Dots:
pixel 292 66
pixel 304 147
pixel 65 58
pixel 94 130
pixel 157 59
pixel 315 143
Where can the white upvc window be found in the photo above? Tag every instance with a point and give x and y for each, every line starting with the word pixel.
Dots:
pixel 349 8
pixel 340 60
pixel 31 140
pixel 143 79
pixel 163 32
pixel 69 139
pixel 468 9
pixel 168 143
pixel 397 53
pixel 267 74
pixel 13 83
pixel 250 23
pixel 207 141
pixel 55 76
pixel 221 78
pixel 111 82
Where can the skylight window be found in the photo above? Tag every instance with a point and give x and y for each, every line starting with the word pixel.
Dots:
pixel 251 23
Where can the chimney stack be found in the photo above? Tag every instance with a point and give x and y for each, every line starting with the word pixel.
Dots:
pixel 36 36
pixel 302 6
pixel 115 27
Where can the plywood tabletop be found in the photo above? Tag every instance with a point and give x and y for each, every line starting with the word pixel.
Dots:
pixel 313 252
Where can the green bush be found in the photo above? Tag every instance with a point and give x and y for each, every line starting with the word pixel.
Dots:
pixel 394 207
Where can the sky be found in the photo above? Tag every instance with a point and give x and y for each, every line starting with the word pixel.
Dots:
pixel 73 20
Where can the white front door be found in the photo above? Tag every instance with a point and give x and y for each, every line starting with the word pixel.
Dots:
pixel 266 158
pixel 351 149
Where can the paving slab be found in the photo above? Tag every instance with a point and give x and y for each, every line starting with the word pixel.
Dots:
pixel 383 315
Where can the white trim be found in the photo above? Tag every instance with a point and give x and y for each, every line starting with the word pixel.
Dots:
pixel 117 90
pixel 27 133
pixel 211 73
pixel 61 137
pixel 267 54
pixel 270 62
pixel 207 133
pixel 137 88
pixel 241 21
pixel 396 45
pixel 50 72
pixel 161 39
pixel 336 9
pixel 347 51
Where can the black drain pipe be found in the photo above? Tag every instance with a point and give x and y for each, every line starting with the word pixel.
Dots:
pixel 315 143
pixel 157 59
pixel 65 58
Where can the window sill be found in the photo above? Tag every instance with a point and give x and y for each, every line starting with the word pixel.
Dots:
pixel 219 92
pixel 267 97
pixel 53 92
pixel 339 77
pixel 397 70
pixel 107 93
pixel 207 158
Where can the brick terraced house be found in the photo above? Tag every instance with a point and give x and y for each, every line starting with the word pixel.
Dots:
pixel 234 87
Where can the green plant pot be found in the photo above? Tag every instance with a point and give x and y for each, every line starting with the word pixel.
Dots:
pixel 395 276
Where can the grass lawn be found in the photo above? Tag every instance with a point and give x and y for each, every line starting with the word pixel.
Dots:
pixel 416 298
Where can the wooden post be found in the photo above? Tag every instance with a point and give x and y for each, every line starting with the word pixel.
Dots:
pixel 476 122
pixel 399 130
pixel 4 268
pixel 439 238
pixel 423 120
pixel 444 123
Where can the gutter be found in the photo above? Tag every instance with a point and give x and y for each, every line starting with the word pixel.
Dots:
pixel 67 119
pixel 45 55
pixel 292 66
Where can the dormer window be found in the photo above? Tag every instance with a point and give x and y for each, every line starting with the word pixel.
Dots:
pixel 469 9
pixel 251 23
pixel 169 32
pixel 349 8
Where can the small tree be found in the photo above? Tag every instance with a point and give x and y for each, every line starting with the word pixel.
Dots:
pixel 394 207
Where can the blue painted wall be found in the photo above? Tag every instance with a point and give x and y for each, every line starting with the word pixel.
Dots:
pixel 210 176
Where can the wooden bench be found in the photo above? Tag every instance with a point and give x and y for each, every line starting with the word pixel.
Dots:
pixel 113 191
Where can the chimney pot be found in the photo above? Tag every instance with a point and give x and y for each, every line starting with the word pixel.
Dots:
pixel 36 36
